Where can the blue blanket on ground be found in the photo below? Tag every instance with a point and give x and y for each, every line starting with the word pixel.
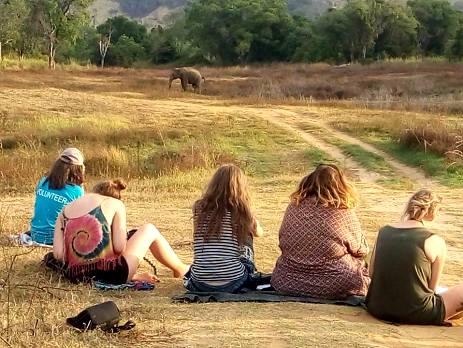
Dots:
pixel 139 286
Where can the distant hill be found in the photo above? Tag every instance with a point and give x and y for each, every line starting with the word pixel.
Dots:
pixel 152 12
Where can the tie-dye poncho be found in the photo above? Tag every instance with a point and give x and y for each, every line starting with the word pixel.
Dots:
pixel 88 244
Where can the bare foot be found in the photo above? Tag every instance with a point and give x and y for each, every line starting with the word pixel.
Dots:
pixel 145 277
pixel 182 271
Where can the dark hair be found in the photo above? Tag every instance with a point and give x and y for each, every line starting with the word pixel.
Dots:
pixel 328 186
pixel 110 188
pixel 64 173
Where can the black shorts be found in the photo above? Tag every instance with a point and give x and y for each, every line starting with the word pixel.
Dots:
pixel 117 275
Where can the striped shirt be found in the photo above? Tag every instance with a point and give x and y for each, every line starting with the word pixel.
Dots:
pixel 217 260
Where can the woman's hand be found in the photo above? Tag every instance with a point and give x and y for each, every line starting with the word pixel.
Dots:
pixel 258 231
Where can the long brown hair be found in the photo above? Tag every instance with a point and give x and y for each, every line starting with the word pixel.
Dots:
pixel 64 173
pixel 422 204
pixel 110 188
pixel 227 191
pixel 327 186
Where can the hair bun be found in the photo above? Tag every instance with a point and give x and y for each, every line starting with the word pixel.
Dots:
pixel 120 184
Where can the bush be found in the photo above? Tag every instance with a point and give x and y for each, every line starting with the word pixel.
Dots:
pixel 125 52
pixel 437 139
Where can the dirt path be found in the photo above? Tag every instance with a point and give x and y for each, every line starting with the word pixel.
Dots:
pixel 355 168
pixel 289 119
pixel 407 171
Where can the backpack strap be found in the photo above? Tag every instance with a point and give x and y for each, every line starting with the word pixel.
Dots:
pixel 129 325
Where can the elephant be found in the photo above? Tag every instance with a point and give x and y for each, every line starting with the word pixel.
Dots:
pixel 187 76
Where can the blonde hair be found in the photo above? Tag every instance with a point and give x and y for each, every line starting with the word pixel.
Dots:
pixel 328 186
pixel 110 188
pixel 423 203
pixel 227 191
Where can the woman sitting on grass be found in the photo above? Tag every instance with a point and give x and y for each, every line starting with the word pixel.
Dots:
pixel 321 242
pixel 62 185
pixel 91 239
pixel 406 267
pixel 224 228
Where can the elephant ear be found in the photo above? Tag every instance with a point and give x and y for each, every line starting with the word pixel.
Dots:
pixel 175 73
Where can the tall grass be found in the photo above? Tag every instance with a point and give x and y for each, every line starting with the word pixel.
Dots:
pixel 142 146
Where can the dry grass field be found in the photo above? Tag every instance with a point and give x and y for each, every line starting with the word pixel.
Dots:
pixel 167 144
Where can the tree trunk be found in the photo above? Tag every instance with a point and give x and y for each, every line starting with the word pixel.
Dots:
pixel 51 55
pixel 1 55
pixel 104 44
pixel 352 54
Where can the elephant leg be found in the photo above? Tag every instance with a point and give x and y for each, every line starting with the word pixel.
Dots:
pixel 184 84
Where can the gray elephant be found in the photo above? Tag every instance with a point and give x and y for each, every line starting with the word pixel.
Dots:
pixel 188 76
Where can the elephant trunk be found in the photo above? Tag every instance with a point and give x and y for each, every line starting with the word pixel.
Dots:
pixel 170 81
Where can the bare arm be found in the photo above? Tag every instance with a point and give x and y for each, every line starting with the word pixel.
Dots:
pixel 371 265
pixel 258 231
pixel 119 229
pixel 355 241
pixel 58 239
pixel 436 252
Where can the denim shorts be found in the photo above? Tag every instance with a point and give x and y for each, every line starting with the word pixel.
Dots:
pixel 233 286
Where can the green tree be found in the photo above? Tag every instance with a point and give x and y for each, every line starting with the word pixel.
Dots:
pixel 162 45
pixel 365 29
pixel 350 33
pixel 367 21
pixel 82 50
pixel 399 37
pixel 59 21
pixel 333 41
pixel 438 23
pixel 300 42
pixel 456 48
pixel 124 35
pixel 125 52
pixel 120 26
pixel 13 14
pixel 239 31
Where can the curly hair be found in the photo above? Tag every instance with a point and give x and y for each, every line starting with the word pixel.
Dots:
pixel 110 188
pixel 422 204
pixel 327 186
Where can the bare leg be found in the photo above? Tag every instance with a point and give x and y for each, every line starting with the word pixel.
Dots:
pixel 453 300
pixel 148 237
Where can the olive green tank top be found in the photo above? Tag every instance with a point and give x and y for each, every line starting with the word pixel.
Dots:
pixel 399 289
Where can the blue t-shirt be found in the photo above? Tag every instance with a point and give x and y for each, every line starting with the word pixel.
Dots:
pixel 48 204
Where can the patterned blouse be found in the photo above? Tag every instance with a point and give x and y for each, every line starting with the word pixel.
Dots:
pixel 322 251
